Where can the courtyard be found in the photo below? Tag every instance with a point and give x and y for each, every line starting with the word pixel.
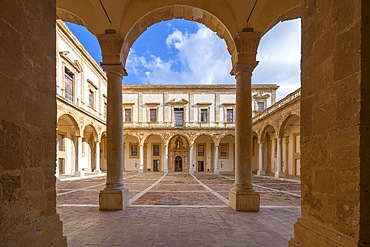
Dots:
pixel 178 209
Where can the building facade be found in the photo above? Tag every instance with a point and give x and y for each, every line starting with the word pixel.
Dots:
pixel 177 128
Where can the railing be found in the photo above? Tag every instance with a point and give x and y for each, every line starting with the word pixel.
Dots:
pixel 292 97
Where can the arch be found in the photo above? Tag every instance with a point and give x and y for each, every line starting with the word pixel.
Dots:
pixel 290 14
pixel 175 135
pixel 286 121
pixel 169 12
pixel 71 119
pixel 68 16
pixel 93 131
pixel 146 139
pixel 210 136
pixel 127 135
pixel 227 136
pixel 267 129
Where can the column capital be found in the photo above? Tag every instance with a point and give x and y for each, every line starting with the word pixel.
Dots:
pixel 244 67
pixel 111 45
pixel 117 69
pixel 246 45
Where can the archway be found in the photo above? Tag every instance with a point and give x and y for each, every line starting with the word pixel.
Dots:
pixel 204 153
pixel 131 153
pixel 269 150
pixel 67 145
pixel 89 151
pixel 226 154
pixel 291 147
pixel 153 153
pixel 178 147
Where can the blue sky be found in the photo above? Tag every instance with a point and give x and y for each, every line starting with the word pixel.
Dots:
pixel 184 52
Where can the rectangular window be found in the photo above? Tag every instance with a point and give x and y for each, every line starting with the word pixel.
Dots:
pixel 224 151
pixel 60 142
pixel 229 115
pixel 179 117
pixel 200 150
pixel 203 115
pixel 68 84
pixel 155 150
pixel 91 98
pixel 134 150
pixel 105 108
pixel 153 115
pixel 128 115
pixel 61 165
pixel 260 106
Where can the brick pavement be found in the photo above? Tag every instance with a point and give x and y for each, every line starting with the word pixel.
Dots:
pixel 201 219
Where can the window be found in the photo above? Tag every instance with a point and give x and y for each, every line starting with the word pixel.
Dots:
pixel 200 150
pixel 105 107
pixel 260 106
pixel 203 115
pixel 156 150
pixel 179 117
pixel 68 84
pixel 134 151
pixel 128 115
pixel 60 142
pixel 153 115
pixel 91 98
pixel 229 115
pixel 224 154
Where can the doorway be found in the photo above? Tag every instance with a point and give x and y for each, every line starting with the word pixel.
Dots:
pixel 178 164
pixel 200 166
pixel 155 165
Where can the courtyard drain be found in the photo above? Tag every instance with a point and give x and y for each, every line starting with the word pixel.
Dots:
pixel 167 202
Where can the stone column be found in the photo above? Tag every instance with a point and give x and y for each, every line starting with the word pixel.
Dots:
pixel 166 159
pixel 260 159
pixel 278 158
pixel 115 195
pixel 141 158
pixel 97 155
pixel 217 171
pixel 242 197
pixel 192 158
pixel 79 171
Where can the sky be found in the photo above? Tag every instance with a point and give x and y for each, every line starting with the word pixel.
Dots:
pixel 185 52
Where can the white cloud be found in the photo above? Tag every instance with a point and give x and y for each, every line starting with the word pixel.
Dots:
pixel 279 54
pixel 201 58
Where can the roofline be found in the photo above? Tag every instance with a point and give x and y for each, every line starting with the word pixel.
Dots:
pixel 196 86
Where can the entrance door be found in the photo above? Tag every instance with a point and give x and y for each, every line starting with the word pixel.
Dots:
pixel 178 164
pixel 156 165
pixel 200 166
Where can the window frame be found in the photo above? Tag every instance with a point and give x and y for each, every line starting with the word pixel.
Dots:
pixel 136 145
pixel 226 156
pixel 202 112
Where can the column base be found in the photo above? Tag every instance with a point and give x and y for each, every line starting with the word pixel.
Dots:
pixel 278 174
pixel 165 171
pixel 98 172
pixel 191 171
pixel 307 233
pixel 241 200
pixel 261 172
pixel 217 171
pixel 114 199
pixel 80 174
pixel 141 171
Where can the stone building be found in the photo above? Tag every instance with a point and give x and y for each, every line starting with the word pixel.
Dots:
pixel 335 112
pixel 177 128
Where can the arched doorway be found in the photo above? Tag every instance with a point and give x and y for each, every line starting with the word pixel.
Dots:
pixel 178 164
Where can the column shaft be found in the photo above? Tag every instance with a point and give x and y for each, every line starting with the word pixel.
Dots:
pixel 97 155
pixel 260 159
pixel 192 159
pixel 278 158
pixel 217 171
pixel 165 159
pixel 141 165
pixel 79 171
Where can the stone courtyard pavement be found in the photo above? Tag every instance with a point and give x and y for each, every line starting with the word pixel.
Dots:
pixel 178 209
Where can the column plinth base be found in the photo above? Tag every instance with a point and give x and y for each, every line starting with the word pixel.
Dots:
pixel 241 200
pixel 217 171
pixel 80 174
pixel 278 174
pixel 307 233
pixel 141 171
pixel 114 199
pixel 98 172
pixel 260 172
pixel 165 171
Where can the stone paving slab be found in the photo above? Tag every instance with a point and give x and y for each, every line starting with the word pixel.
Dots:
pixel 155 226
